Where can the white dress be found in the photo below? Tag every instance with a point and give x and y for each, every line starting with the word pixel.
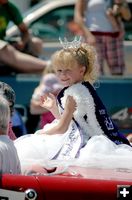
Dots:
pixel 83 145
pixel 39 148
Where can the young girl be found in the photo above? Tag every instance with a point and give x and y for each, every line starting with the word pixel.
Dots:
pixel 82 126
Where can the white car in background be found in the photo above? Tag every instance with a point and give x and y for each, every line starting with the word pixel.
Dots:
pixel 51 19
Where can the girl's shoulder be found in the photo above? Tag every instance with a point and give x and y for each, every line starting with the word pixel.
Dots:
pixel 75 88
pixel 78 89
pixel 61 93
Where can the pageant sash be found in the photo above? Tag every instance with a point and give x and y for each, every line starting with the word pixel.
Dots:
pixel 72 145
pixel 73 142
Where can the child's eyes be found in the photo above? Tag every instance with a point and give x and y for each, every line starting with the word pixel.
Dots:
pixel 59 70
pixel 63 71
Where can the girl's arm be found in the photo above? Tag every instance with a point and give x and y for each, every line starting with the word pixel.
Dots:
pixel 65 119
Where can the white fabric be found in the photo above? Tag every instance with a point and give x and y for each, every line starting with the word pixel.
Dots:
pixel 96 18
pixel 38 148
pixel 102 152
pixel 9 162
pixel 85 106
pixel 99 150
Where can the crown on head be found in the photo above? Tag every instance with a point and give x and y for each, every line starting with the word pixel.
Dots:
pixel 76 43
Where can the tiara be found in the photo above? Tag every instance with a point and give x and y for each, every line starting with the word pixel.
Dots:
pixel 76 43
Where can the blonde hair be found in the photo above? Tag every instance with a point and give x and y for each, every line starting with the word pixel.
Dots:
pixel 85 55
pixel 4 115
pixel 48 69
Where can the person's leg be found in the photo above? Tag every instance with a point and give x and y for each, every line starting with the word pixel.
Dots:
pixel 121 53
pixel 21 62
pixel 100 53
pixel 115 55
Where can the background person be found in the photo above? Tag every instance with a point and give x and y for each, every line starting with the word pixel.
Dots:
pixel 116 14
pixel 49 83
pixel 19 62
pixel 9 161
pixel 9 12
pixel 91 15
pixel 7 91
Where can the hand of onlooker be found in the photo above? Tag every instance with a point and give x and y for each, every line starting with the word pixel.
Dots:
pixel 116 10
pixel 19 45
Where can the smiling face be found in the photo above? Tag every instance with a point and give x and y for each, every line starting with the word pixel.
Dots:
pixel 73 65
pixel 69 76
pixel 67 69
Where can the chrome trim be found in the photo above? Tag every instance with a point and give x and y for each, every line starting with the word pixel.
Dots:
pixel 31 194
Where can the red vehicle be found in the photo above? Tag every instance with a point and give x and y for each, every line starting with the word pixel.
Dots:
pixel 76 183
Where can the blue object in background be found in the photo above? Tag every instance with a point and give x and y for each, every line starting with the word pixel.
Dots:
pixel 18 125
pixel 115 92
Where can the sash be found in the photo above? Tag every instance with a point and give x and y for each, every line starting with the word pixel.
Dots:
pixel 71 147
pixel 73 142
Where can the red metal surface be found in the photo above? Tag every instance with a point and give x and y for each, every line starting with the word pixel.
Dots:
pixel 20 183
pixel 69 187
